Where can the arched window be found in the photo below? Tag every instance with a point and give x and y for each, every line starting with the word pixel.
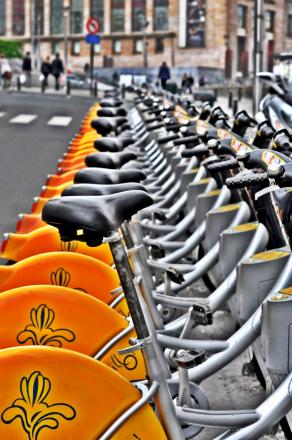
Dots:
pixel 160 19
pixel 2 17
pixel 39 17
pixel 77 17
pixel 118 16
pixel 18 20
pixel 97 11
pixel 138 15
pixel 56 17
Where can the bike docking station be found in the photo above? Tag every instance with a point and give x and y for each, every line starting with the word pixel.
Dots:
pixel 99 301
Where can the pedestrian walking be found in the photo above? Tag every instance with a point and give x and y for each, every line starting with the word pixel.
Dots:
pixel 46 70
pixel 190 83
pixel 26 68
pixel 5 71
pixel 57 70
pixel 164 74
pixel 184 82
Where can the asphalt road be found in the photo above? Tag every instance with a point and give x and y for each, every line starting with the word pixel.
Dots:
pixel 30 151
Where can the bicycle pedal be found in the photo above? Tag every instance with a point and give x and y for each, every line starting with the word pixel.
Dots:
pixel 190 358
pixel 157 251
pixel 202 314
pixel 174 275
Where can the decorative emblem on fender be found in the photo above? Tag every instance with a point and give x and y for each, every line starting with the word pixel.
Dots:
pixel 69 246
pixel 60 277
pixel 35 414
pixel 40 332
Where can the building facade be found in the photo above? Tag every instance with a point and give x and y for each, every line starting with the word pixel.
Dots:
pixel 214 34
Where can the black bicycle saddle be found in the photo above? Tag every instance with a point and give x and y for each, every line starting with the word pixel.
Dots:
pixel 112 144
pixel 91 218
pixel 110 102
pixel 105 126
pixel 109 160
pixel 111 111
pixel 103 176
pixel 91 189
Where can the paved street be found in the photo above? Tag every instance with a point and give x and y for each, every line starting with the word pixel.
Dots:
pixel 35 130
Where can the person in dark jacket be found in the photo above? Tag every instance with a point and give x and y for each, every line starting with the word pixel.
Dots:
pixel 164 74
pixel 57 70
pixel 46 70
pixel 26 68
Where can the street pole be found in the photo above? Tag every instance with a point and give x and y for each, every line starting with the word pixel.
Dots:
pixel 91 67
pixel 145 44
pixel 32 35
pixel 258 52
pixel 66 10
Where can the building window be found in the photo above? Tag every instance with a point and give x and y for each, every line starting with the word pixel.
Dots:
pixel 138 46
pixel 117 46
pixel 270 21
pixel 118 16
pixel 159 45
pixel 241 16
pixel 160 19
pixel 97 11
pixel 196 23
pixel 75 48
pixel 56 47
pixel 2 17
pixel 76 16
pixel 18 20
pixel 39 17
pixel 289 25
pixel 138 15
pixel 56 17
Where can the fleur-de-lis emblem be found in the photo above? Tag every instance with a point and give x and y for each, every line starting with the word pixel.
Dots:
pixel 69 246
pixel 35 414
pixel 40 332
pixel 60 277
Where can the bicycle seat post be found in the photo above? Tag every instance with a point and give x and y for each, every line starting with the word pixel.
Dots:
pixel 162 399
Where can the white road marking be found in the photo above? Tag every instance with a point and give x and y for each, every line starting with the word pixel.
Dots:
pixel 23 119
pixel 2 114
pixel 61 121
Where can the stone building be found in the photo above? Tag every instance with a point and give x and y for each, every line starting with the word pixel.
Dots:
pixel 211 34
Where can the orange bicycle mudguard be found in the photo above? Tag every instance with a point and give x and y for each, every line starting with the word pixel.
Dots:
pixel 29 222
pixel 79 153
pixel 72 162
pixel 65 170
pixel 57 180
pixel 47 192
pixel 50 394
pixel 63 317
pixel 58 317
pixel 65 269
pixel 39 203
pixel 17 247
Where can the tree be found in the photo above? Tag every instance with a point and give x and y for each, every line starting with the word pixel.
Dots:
pixel 11 49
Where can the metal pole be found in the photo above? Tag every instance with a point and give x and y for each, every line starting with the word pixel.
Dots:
pixel 145 49
pixel 91 67
pixel 258 52
pixel 32 36
pixel 66 10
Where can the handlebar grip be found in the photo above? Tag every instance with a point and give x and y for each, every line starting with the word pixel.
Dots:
pixel 224 165
pixel 187 140
pixel 197 151
pixel 238 182
pixel 263 159
pixel 165 139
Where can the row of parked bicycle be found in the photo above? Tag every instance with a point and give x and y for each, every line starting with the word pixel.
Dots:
pixel 99 302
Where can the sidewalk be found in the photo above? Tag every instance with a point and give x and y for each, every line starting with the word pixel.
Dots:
pixel 101 88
